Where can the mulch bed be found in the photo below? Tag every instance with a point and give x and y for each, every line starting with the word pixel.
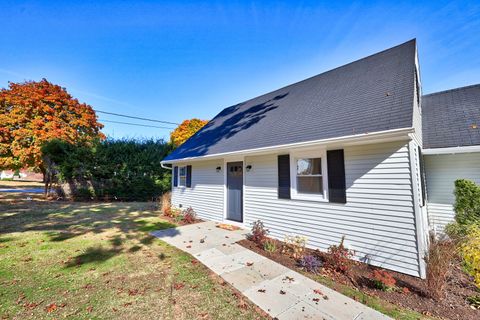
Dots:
pixel 453 306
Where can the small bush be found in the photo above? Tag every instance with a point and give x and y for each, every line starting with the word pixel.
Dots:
pixel 172 212
pixel 439 259
pixel 383 280
pixel 258 233
pixel 294 246
pixel 166 202
pixel 269 246
pixel 338 257
pixel 467 202
pixel 310 263
pixel 470 252
pixel 189 215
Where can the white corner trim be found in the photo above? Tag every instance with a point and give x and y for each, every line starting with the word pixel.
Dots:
pixel 451 150
pixel 386 134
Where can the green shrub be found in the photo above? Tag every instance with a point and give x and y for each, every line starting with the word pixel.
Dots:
pixel 83 194
pixel 127 169
pixel 467 202
pixel 269 246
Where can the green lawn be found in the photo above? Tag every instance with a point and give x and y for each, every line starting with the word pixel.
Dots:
pixel 97 261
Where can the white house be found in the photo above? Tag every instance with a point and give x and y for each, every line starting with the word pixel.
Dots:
pixel 338 154
pixel 451 126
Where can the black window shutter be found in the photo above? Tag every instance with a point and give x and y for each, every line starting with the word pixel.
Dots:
pixel 422 175
pixel 175 176
pixel 336 176
pixel 284 176
pixel 189 176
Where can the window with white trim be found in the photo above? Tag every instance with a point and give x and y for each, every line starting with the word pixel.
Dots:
pixel 308 176
pixel 182 176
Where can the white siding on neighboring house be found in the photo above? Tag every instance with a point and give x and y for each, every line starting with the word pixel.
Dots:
pixel 206 194
pixel 442 171
pixel 378 219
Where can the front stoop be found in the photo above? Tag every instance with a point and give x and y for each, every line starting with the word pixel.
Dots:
pixel 281 292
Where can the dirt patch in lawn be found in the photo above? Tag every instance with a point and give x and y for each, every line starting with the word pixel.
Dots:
pixel 453 306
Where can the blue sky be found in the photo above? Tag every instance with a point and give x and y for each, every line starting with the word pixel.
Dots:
pixel 177 60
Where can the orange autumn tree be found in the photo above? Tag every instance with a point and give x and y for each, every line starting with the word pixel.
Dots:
pixel 185 130
pixel 32 113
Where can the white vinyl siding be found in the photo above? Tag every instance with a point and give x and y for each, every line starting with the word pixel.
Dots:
pixel 441 172
pixel 378 219
pixel 206 193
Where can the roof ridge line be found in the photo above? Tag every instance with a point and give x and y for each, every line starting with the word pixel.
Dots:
pixel 453 89
pixel 330 70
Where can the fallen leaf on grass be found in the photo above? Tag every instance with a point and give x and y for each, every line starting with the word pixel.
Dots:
pixel 20 298
pixel 89 309
pixel 242 304
pixel 133 292
pixel 127 304
pixel 31 305
pixel 194 261
pixel 51 307
pixel 178 286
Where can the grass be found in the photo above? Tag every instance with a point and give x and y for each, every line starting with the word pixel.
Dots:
pixel 97 261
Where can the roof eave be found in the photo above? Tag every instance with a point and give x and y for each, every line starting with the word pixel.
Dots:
pixel 451 150
pixel 352 139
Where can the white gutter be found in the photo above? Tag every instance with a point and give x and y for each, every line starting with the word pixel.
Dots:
pixel 164 166
pixel 451 150
pixel 345 139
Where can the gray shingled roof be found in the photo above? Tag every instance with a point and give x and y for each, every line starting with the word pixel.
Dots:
pixel 372 94
pixel 449 118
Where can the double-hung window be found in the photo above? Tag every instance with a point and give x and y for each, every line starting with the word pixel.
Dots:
pixel 308 175
pixel 182 176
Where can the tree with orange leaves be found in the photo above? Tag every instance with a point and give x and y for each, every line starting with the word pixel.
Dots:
pixel 185 130
pixel 32 113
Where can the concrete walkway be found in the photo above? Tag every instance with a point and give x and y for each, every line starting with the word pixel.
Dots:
pixel 281 292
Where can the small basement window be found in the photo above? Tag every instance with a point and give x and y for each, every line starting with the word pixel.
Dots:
pixel 182 176
pixel 308 176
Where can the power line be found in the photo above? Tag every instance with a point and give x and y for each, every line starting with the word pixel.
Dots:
pixel 135 124
pixel 132 117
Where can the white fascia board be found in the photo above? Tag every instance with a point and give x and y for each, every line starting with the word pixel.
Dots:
pixel 352 139
pixel 451 150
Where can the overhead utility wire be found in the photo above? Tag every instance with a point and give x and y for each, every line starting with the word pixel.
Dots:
pixel 132 117
pixel 135 124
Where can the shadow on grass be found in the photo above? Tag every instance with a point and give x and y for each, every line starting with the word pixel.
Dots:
pixel 148 226
pixel 93 255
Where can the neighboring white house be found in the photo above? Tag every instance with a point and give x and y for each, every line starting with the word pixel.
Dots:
pixel 451 121
pixel 338 154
